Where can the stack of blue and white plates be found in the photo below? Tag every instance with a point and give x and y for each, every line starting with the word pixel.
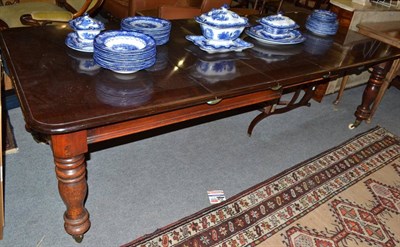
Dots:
pixel 157 28
pixel 322 22
pixel 123 51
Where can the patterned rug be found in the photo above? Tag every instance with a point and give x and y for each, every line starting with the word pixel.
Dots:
pixel 346 196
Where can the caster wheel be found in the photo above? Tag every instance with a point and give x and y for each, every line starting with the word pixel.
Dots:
pixel 78 238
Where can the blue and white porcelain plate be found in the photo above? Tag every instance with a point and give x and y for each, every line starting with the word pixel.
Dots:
pixel 73 42
pixel 157 28
pixel 145 23
pixel 324 15
pixel 322 28
pixel 216 46
pixel 126 68
pixel 295 36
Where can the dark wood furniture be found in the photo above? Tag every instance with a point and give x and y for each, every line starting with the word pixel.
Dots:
pixel 387 32
pixel 76 108
pixel 1 162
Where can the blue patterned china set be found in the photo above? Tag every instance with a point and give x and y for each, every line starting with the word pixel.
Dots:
pixel 133 48
pixel 123 51
pixel 276 30
pixel 159 29
pixel 85 29
pixel 322 22
pixel 221 29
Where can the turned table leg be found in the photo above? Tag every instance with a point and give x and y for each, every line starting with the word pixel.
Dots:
pixel 371 91
pixel 69 157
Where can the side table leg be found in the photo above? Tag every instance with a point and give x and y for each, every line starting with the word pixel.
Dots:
pixel 371 91
pixel 69 157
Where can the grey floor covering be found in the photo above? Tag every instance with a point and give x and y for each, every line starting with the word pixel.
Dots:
pixel 138 187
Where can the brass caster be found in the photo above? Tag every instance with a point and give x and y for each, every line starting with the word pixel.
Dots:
pixel 78 238
pixel 354 125
pixel 336 102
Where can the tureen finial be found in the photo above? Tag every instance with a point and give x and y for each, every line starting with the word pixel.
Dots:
pixel 225 6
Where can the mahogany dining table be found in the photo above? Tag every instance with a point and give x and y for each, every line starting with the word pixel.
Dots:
pixel 72 106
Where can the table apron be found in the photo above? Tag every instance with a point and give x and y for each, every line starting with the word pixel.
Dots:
pixel 163 119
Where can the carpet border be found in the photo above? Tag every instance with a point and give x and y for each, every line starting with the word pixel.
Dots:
pixel 208 209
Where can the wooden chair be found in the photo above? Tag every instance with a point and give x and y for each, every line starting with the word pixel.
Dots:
pixel 43 12
pixel 312 4
pixel 167 9
pixel 178 10
pixel 261 6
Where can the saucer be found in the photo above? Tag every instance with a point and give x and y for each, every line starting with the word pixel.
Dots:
pixel 73 42
pixel 211 46
pixel 295 37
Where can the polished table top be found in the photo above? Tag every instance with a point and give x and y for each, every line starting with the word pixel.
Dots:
pixel 56 96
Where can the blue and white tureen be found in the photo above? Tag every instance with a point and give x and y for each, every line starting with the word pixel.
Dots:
pixel 277 30
pixel 85 29
pixel 221 29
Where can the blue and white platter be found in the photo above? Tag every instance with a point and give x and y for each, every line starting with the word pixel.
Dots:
pixel 257 32
pixel 73 42
pixel 218 46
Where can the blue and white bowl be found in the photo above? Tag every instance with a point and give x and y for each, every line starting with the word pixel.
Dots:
pixel 124 51
pixel 221 24
pixel 157 28
pixel 124 42
pixel 86 27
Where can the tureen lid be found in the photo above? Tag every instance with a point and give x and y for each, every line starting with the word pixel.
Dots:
pixel 85 22
pixel 222 17
pixel 278 21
